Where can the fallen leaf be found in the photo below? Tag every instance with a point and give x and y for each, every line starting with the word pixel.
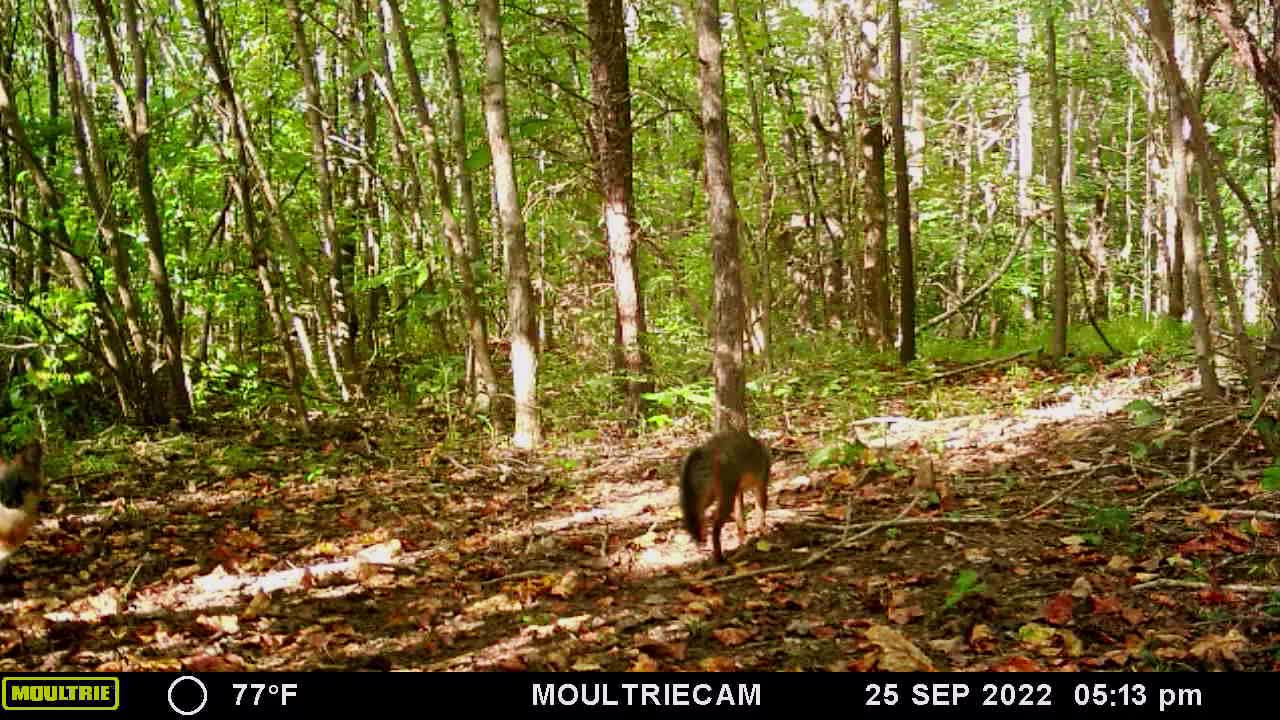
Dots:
pixel 897 653
pixel 731 636
pixel 1057 610
pixel 227 624
pixel 1216 648
pixel 643 663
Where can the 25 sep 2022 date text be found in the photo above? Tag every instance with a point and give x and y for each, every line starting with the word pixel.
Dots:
pixel 1030 695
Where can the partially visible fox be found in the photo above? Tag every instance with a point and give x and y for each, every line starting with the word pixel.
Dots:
pixel 21 484
pixel 721 470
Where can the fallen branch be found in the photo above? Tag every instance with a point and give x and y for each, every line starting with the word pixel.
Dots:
pixel 970 368
pixel 1260 514
pixel 1197 585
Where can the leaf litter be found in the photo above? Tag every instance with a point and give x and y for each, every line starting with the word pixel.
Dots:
pixel 1074 535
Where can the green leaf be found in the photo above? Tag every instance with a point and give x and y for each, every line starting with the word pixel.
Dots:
pixel 964 583
pixel 1144 413
pixel 1271 478
pixel 478 160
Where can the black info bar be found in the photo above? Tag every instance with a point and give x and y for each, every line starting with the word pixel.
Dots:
pixel 357 695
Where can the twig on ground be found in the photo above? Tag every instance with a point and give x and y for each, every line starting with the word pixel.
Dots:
pixel 518 576
pixel 1197 585
pixel 1239 438
pixel 1059 495
pixel 1260 514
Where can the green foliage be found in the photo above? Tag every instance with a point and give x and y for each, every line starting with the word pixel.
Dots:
pixel 671 400
pixel 1144 413
pixel 1272 605
pixel 1271 477
pixel 841 453
pixel 964 583
pixel 1110 520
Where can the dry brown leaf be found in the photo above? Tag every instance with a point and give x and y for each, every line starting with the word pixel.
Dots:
pixel 1216 648
pixel 897 653
pixel 981 638
pixel 643 663
pixel 718 663
pixel 731 636
pixel 214 663
pixel 566 585
pixel 1057 609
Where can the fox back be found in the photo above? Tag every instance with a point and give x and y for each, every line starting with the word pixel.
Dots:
pixel 719 471
pixel 21 484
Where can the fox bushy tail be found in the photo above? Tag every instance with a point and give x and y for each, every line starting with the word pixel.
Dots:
pixel 693 479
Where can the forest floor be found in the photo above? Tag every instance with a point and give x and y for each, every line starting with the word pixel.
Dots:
pixel 1082 531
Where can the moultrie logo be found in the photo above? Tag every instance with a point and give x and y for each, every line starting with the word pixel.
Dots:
pixel 50 692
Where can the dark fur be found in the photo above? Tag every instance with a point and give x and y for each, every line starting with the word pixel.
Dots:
pixel 720 471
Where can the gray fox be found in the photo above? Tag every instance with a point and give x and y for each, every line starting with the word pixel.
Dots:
pixel 721 470
pixel 21 484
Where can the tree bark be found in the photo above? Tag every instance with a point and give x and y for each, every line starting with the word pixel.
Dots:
pixel 1026 147
pixel 1058 343
pixel 473 314
pixel 875 246
pixel 906 260
pixel 611 95
pixel 730 409
pixel 521 304
pixel 1182 159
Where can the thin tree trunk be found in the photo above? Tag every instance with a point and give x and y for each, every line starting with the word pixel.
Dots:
pixel 520 299
pixel 875 259
pixel 245 144
pixel 97 190
pixel 763 313
pixel 112 346
pixel 906 260
pixel 338 333
pixel 1182 159
pixel 730 409
pixel 458 134
pixel 1058 343
pixel 1026 148
pixel 611 94
pixel 133 117
pixel 477 329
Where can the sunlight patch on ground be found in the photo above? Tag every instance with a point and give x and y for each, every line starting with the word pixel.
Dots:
pixel 222 589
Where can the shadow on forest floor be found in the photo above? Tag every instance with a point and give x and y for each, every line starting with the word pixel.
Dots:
pixel 1062 536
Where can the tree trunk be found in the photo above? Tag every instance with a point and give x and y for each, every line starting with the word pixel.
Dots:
pixel 338 333
pixel 458 134
pixel 520 298
pixel 136 126
pixel 611 95
pixel 473 314
pixel 1182 159
pixel 906 261
pixel 1058 343
pixel 1026 147
pixel 112 347
pixel 875 245
pixel 245 144
pixel 730 408
pixel 760 328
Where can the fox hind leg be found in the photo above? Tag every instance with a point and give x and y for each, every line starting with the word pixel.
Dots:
pixel 762 500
